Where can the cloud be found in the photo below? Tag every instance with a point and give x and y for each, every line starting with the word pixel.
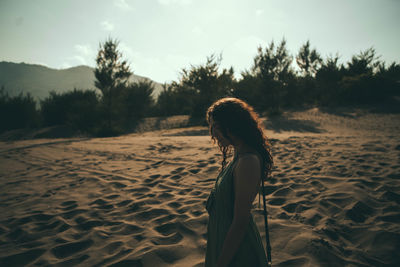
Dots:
pixel 156 68
pixel 84 55
pixel 173 2
pixel 122 4
pixel 107 26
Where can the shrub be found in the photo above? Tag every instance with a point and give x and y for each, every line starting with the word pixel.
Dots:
pixel 78 109
pixel 17 112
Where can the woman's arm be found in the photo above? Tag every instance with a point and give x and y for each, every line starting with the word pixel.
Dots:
pixel 247 182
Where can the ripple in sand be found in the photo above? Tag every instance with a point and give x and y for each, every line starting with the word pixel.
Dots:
pixel 112 247
pixel 74 261
pixel 170 254
pixel 359 212
pixel 194 171
pixel 102 204
pixel 298 261
pixel 277 201
pixel 128 229
pixel 88 225
pixel 165 195
pixel 290 207
pixel 150 214
pixel 283 192
pixel 22 259
pixel 124 203
pixel 177 170
pixel 126 263
pixel 118 185
pixel 168 240
pixel 391 196
pixel 173 227
pixel 164 219
pixel 174 204
pixel 66 250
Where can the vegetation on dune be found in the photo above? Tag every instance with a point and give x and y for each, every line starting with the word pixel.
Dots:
pixel 78 109
pixel 17 112
pixel 270 85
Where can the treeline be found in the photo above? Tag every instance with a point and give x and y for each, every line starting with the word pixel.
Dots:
pixel 116 110
pixel 275 81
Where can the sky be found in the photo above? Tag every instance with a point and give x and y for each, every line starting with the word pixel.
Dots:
pixel 160 37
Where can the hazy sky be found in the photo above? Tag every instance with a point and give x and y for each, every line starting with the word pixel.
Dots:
pixel 160 37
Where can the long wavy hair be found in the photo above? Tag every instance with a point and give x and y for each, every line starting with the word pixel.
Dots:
pixel 235 116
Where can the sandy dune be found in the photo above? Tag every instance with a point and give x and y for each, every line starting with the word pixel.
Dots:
pixel 138 200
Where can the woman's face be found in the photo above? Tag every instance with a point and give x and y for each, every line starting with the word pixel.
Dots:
pixel 217 133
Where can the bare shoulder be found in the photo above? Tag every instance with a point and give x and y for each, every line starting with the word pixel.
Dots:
pixel 247 176
pixel 248 161
pixel 248 165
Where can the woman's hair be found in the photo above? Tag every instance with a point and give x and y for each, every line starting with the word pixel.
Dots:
pixel 239 119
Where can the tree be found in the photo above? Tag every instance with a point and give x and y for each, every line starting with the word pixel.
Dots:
pixel 112 74
pixel 17 111
pixel 174 100
pixel 366 62
pixel 135 101
pixel 273 63
pixel 330 70
pixel 328 77
pixel 273 72
pixel 77 109
pixel 308 60
pixel 202 85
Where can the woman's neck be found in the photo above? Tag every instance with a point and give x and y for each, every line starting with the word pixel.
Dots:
pixel 242 148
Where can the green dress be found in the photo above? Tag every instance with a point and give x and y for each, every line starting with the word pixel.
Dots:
pixel 220 207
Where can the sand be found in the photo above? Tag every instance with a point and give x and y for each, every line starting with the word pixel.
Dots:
pixel 138 200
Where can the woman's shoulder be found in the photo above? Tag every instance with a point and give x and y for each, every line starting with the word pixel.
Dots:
pixel 249 157
pixel 248 161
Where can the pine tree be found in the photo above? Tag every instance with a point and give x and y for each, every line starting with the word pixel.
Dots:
pixel 308 60
pixel 112 74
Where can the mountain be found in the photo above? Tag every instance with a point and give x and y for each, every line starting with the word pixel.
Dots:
pixel 39 80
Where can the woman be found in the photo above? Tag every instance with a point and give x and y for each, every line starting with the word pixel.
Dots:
pixel 232 235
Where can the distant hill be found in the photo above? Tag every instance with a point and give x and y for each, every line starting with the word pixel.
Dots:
pixel 39 80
